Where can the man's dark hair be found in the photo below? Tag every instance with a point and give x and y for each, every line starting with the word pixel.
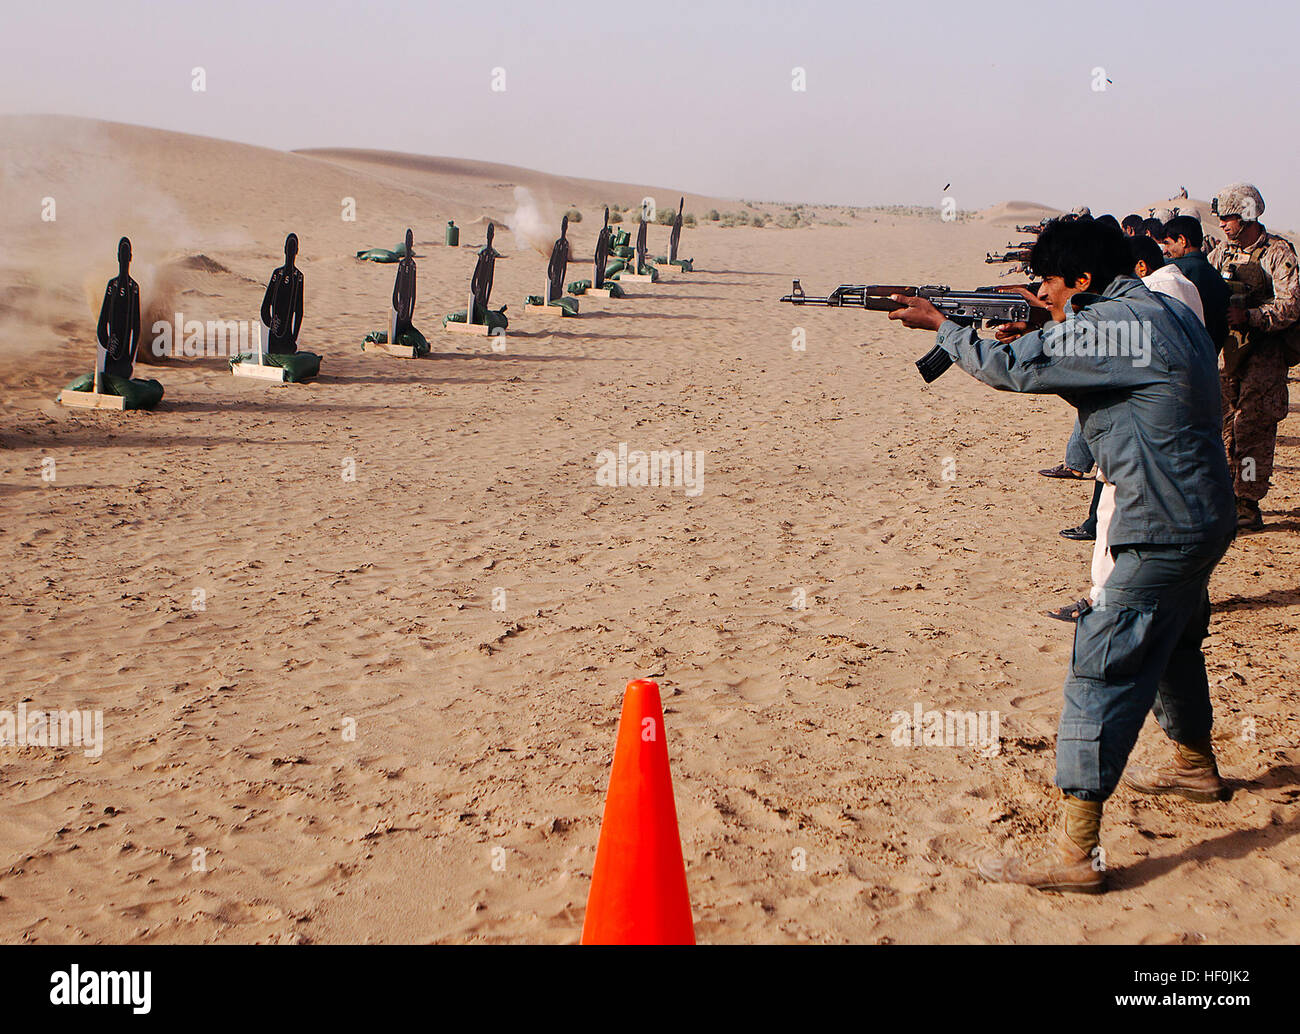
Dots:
pixel 1185 226
pixel 1145 249
pixel 1153 228
pixel 1108 220
pixel 1070 249
pixel 1132 222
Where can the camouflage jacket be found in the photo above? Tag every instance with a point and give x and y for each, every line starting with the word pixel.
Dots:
pixel 1264 277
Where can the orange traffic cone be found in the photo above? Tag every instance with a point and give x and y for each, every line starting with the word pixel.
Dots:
pixel 638 886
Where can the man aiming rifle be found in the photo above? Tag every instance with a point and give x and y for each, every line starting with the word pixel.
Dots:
pixel 1154 426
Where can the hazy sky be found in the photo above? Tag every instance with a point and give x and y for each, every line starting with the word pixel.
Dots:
pixel 995 98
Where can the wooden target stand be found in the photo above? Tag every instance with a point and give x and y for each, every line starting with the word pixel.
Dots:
pixel 388 347
pixel 95 399
pixel 259 371
pixel 548 310
pixel 635 278
pixel 473 329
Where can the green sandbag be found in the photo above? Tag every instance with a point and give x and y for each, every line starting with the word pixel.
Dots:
pixel 683 264
pixel 649 271
pixel 297 366
pixel 623 252
pixel 138 393
pixel 619 238
pixel 583 286
pixel 495 318
pixel 411 338
pixel 384 254
pixel 614 267
pixel 569 305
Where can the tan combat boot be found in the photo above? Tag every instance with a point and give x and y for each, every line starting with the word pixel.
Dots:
pixel 1191 773
pixel 1065 866
pixel 1249 517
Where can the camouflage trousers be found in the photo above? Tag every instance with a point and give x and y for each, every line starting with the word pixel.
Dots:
pixel 1254 403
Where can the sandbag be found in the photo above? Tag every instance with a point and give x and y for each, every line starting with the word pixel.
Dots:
pixel 495 318
pixel 569 305
pixel 616 266
pixel 137 392
pixel 410 338
pixel 623 252
pixel 297 366
pixel 579 287
pixel 650 271
pixel 383 254
pixel 685 265
pixel 619 238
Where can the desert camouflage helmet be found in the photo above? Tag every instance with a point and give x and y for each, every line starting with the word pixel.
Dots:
pixel 1240 199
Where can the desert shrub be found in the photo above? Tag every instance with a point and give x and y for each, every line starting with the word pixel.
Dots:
pixel 713 215
pixel 574 215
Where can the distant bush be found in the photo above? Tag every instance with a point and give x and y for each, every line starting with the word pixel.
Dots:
pixel 713 215
pixel 793 218
pixel 574 215
pixel 742 218
pixel 688 219
pixel 615 217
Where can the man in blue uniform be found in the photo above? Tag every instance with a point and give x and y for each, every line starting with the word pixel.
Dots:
pixel 1149 411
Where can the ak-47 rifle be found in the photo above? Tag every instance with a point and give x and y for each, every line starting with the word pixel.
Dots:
pixel 1036 228
pixel 1014 253
pixel 990 304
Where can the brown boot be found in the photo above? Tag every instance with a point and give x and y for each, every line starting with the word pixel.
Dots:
pixel 1191 773
pixel 1249 517
pixel 1067 865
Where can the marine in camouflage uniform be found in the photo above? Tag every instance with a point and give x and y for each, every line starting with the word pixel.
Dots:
pixel 1261 270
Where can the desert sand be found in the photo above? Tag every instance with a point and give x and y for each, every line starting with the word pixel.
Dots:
pixel 331 604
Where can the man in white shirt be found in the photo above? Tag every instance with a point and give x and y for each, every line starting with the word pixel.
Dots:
pixel 1162 276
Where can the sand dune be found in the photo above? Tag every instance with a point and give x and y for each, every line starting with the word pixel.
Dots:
pixel 1013 213
pixel 317 726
